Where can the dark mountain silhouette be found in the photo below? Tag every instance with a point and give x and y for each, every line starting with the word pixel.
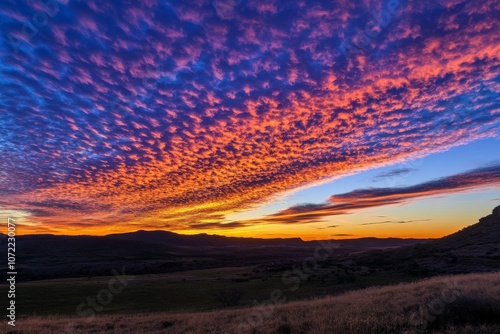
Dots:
pixel 202 240
pixel 207 240
pixel 51 256
pixel 473 249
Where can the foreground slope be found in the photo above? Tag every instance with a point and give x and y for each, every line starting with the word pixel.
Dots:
pixel 475 248
pixel 468 304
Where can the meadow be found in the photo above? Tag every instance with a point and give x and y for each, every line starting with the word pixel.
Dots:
pixel 195 290
pixel 461 304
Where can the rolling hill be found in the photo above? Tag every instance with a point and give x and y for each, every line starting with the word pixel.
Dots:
pixel 145 252
pixel 475 248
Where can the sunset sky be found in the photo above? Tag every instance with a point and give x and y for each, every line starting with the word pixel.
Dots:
pixel 312 119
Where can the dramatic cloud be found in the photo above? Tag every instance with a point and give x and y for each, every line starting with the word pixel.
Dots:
pixel 397 222
pixel 327 227
pixel 219 225
pixel 374 197
pixel 395 173
pixel 177 113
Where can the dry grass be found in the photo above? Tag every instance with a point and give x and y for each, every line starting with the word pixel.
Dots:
pixel 468 304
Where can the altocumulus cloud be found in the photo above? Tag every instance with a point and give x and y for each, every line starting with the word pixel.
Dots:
pixel 162 112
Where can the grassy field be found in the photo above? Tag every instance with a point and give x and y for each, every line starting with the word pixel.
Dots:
pixel 196 290
pixel 451 304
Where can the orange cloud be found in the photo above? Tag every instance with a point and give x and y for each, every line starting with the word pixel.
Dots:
pixel 374 197
pixel 123 120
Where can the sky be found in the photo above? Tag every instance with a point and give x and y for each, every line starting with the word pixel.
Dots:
pixel 311 119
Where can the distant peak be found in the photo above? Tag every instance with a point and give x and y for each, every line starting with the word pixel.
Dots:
pixel 496 212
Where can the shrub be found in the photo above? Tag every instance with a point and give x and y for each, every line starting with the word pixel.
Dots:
pixel 469 310
pixel 229 296
pixel 284 329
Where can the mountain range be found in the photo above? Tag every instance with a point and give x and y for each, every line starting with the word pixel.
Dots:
pixel 475 248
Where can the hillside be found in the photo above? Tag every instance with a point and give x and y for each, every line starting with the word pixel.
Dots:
pixel 466 304
pixel 482 238
pixel 475 248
